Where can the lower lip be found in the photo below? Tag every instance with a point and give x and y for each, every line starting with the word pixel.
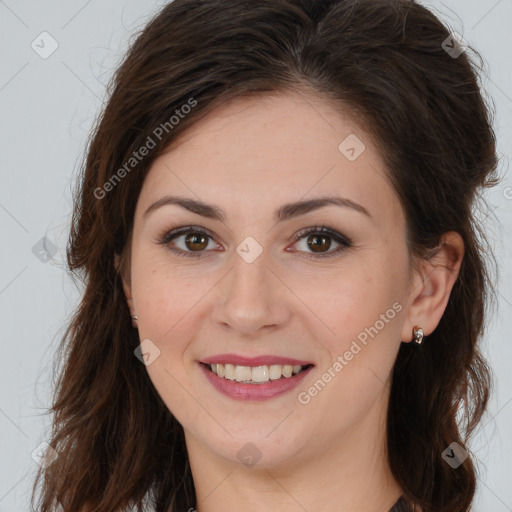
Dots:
pixel 241 391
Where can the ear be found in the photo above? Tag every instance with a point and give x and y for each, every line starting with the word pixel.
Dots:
pixel 127 291
pixel 126 287
pixel 431 286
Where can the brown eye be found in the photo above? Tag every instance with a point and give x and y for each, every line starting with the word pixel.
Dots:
pixel 317 242
pixel 196 241
pixel 320 243
pixel 193 241
pixel 190 241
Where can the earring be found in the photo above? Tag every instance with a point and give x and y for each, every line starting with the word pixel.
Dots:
pixel 417 332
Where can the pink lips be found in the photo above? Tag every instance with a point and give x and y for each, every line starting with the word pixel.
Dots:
pixel 244 391
pixel 253 361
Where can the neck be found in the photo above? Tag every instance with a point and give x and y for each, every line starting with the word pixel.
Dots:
pixel 352 473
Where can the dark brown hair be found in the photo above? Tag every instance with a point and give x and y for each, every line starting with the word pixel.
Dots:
pixel 384 63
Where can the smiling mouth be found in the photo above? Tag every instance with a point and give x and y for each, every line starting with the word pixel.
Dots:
pixel 256 374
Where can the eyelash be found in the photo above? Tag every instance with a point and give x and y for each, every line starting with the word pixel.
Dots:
pixel 168 236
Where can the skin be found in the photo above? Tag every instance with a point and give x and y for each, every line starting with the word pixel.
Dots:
pixel 249 157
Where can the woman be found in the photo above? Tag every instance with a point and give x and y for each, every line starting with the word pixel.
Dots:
pixel 285 281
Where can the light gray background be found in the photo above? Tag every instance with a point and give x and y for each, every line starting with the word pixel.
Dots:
pixel 47 108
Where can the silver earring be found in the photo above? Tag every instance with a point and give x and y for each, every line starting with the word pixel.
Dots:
pixel 418 334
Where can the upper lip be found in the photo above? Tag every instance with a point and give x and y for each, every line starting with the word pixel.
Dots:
pixel 239 360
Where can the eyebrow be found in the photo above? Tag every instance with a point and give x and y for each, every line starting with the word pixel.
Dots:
pixel 285 212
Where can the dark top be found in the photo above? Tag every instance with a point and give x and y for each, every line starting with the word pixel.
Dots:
pixel 400 506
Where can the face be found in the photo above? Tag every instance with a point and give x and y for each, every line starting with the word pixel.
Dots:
pixel 254 283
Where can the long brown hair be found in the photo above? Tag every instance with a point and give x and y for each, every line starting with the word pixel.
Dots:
pixel 386 63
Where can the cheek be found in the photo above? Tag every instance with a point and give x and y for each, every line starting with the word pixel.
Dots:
pixel 362 342
pixel 346 301
pixel 359 310
pixel 168 309
pixel 165 293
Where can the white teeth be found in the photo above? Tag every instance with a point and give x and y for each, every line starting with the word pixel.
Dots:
pixel 229 371
pixel 275 371
pixel 287 370
pixel 243 373
pixel 260 374
pixel 255 374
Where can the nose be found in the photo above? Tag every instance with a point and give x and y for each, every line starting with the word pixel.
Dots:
pixel 251 299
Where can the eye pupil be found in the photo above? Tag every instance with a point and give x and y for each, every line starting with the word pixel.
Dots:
pixel 315 246
pixel 192 238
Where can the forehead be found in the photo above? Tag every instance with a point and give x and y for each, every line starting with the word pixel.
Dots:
pixel 279 148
